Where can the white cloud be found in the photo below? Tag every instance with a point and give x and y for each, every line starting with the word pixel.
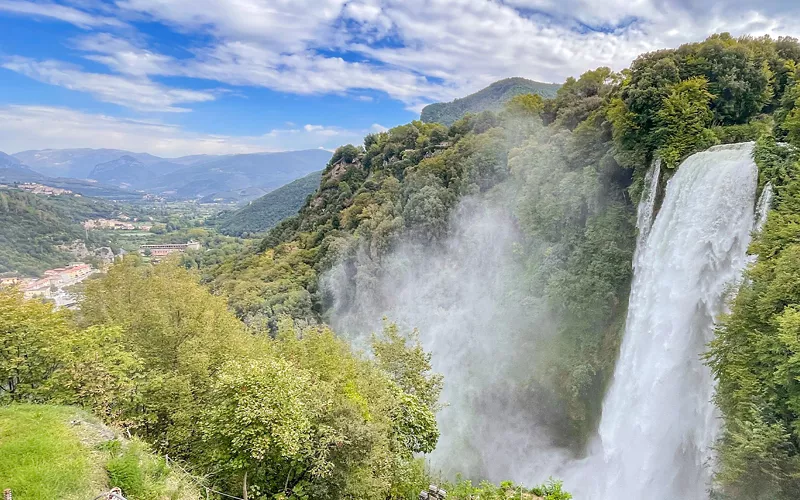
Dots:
pixel 121 55
pixel 418 51
pixel 377 128
pixel 41 127
pixel 137 93
pixel 58 12
pixel 415 51
pixel 288 25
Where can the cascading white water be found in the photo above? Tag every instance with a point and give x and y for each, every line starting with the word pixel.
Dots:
pixel 644 213
pixel 659 423
pixel 763 206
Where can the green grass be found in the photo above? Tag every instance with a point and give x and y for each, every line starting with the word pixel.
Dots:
pixel 43 456
pixel 40 457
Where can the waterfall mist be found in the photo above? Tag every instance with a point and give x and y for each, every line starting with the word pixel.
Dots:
pixel 461 297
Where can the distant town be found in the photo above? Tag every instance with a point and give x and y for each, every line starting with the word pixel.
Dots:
pixel 53 284
pixel 120 224
pixel 37 188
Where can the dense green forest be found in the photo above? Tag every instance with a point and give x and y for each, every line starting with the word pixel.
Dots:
pixel 248 386
pixel 32 227
pixel 263 214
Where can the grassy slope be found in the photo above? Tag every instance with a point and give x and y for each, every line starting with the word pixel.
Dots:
pixel 43 456
pixel 40 457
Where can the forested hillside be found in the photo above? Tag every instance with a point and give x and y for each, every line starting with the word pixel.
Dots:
pixel 573 167
pixel 492 98
pixel 264 213
pixel 32 227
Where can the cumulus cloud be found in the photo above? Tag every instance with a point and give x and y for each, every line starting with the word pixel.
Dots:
pixel 37 127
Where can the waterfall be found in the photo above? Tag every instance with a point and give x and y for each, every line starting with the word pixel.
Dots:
pixel 659 423
pixel 647 204
pixel 763 206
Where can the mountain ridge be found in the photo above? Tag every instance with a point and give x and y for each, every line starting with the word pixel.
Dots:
pixel 491 98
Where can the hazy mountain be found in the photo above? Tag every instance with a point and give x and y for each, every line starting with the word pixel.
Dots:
pixel 76 163
pixel 126 172
pixel 12 170
pixel 229 174
pixel 230 177
pixel 264 213
pixel 194 159
pixel 492 98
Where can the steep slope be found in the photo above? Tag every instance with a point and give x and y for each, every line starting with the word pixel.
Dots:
pixel 492 98
pixel 63 452
pixel 264 213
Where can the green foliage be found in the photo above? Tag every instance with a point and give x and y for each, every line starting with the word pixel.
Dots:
pixel 756 353
pixel 178 333
pixel 263 214
pixel 683 121
pixel 752 131
pixel 299 414
pixel 32 345
pixel 404 184
pixel 139 474
pixel 465 490
pixel 741 79
pixel 346 154
pixel 408 365
pixel 576 100
pixel 579 246
pixel 525 104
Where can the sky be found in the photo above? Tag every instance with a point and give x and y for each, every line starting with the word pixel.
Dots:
pixel 178 77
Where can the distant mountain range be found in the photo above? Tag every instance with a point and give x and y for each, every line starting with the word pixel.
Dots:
pixel 204 177
pixel 492 98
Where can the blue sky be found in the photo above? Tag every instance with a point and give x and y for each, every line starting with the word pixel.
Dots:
pixel 174 77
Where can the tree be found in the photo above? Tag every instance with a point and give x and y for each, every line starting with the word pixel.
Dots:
pixel 33 345
pixel 683 120
pixel 525 104
pixel 409 366
pixel 263 422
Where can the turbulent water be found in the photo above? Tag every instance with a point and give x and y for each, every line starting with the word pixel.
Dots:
pixel 659 423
